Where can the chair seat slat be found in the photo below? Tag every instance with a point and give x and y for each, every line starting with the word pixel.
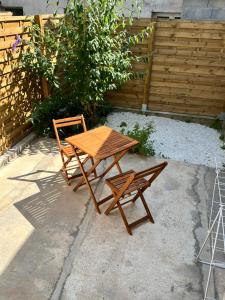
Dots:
pixel 117 182
pixel 69 151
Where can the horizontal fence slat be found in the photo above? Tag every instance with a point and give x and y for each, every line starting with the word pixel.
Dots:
pixel 158 82
pixel 192 61
pixel 190 24
pixel 211 96
pixel 189 70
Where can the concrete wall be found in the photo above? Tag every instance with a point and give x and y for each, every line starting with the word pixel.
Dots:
pixel 190 9
pixel 204 9
pixel 170 6
pixel 33 7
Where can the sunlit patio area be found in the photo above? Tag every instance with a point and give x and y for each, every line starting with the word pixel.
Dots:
pixel 112 140
pixel 54 244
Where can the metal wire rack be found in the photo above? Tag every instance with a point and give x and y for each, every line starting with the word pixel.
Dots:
pixel 215 238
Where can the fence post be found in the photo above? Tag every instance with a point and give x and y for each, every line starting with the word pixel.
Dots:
pixel 149 68
pixel 44 84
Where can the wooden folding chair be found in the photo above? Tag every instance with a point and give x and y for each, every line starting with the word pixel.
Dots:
pixel 67 151
pixel 131 185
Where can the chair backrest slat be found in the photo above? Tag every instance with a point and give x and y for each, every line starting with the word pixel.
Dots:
pixel 155 171
pixel 77 118
pixel 59 125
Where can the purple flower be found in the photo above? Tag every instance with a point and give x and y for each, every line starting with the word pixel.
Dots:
pixel 17 42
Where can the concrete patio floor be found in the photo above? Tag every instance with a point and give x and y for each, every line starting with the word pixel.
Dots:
pixel 55 246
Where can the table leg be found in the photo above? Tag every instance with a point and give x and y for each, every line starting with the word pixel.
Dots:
pixel 115 162
pixel 82 181
pixel 93 169
pixel 85 175
pixel 118 166
pixel 74 175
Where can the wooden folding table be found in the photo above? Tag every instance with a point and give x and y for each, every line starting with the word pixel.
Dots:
pixel 100 143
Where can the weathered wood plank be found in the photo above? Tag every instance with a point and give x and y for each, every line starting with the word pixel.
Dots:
pixel 189 85
pixel 185 60
pixel 190 24
pixel 195 70
pixel 186 92
pixel 202 45
pixel 220 54
pixel 193 35
pixel 200 79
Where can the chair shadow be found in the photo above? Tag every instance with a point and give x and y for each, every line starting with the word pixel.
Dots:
pixel 42 182
pixel 44 145
pixel 46 207
pixel 55 213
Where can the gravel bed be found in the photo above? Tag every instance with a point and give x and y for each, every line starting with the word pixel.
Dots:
pixel 188 142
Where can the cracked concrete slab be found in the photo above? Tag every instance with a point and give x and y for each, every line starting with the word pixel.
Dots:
pixel 39 220
pixel 54 245
pixel 157 262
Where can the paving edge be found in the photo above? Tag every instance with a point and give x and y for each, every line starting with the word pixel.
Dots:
pixel 16 150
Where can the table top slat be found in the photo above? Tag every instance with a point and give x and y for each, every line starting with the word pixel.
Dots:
pixel 101 142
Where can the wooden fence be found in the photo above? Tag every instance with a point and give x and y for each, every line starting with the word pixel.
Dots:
pixel 17 91
pixel 185 73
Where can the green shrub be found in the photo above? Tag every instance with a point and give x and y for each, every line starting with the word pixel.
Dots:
pixel 102 111
pixel 87 53
pixel 52 108
pixel 216 124
pixel 61 107
pixel 123 124
pixel 142 135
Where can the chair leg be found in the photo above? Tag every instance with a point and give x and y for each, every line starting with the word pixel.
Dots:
pixel 124 218
pixel 135 223
pixel 118 166
pixel 135 198
pixel 65 163
pixel 146 207
pixel 137 195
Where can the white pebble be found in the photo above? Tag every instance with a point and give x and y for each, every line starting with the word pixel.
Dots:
pixel 189 142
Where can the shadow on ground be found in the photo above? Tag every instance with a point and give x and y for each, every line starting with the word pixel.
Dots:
pixel 39 219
